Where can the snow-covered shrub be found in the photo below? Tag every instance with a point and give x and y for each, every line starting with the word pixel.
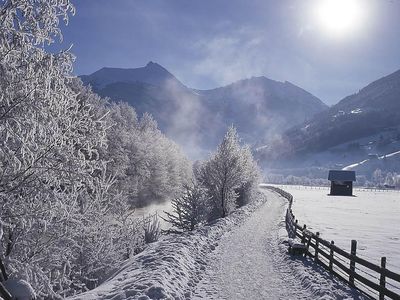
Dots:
pixel 229 175
pixel 190 209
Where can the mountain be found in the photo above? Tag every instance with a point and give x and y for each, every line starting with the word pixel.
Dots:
pixel 152 74
pixel 363 123
pixel 259 107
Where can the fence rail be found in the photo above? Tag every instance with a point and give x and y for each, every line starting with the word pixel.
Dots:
pixel 369 278
pixel 327 187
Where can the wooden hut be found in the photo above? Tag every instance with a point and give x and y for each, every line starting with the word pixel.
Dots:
pixel 342 182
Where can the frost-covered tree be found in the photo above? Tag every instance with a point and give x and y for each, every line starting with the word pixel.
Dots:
pixel 65 218
pixel 229 175
pixel 396 180
pixel 190 209
pixel 378 177
pixel 54 188
pixel 148 166
pixel 389 179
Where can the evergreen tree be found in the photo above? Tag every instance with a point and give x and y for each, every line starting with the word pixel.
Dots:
pixel 190 209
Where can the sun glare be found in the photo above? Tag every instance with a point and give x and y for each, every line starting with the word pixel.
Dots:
pixel 339 17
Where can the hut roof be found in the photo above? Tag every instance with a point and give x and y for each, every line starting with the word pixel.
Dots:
pixel 340 175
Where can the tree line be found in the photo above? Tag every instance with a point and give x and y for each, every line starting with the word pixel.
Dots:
pixel 72 165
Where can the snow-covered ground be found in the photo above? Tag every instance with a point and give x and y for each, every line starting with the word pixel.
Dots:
pixel 155 208
pixel 239 257
pixel 252 262
pixel 371 218
pixel 171 267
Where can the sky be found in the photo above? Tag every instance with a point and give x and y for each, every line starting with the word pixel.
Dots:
pixel 211 43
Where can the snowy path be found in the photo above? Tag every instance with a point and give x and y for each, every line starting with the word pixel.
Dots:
pixel 251 263
pixel 237 257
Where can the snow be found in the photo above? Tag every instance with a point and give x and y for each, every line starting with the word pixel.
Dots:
pixel 352 166
pixel 371 218
pixel 242 256
pixel 355 165
pixel 356 111
pixel 171 267
pixel 155 208
pixel 390 155
pixel 251 262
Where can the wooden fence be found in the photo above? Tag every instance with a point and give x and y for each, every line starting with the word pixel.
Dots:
pixel 327 187
pixel 376 281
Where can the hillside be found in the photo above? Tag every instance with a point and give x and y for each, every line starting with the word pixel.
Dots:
pixel 360 124
pixel 259 107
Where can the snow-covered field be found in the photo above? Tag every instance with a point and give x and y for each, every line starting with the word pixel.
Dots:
pixel 371 217
pixel 156 208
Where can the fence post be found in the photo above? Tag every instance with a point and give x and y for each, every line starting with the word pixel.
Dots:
pixel 316 246
pixel 353 252
pixel 303 238
pixel 308 245
pixel 382 281
pixel 331 256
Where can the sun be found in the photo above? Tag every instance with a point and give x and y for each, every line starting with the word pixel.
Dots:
pixel 339 17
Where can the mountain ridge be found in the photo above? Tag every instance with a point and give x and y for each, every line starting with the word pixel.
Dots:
pixel 373 111
pixel 152 73
pixel 258 106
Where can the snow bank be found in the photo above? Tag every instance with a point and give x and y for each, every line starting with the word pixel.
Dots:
pixel 171 267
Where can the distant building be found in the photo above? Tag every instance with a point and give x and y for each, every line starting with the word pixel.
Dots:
pixel 341 182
